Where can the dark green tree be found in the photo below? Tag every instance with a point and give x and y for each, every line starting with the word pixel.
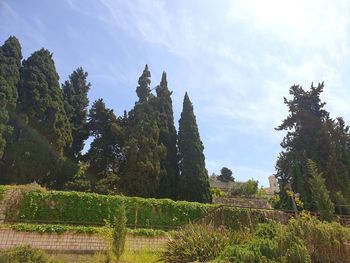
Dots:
pixel 104 155
pixel 167 137
pixel 312 134
pixel 142 169
pixel 320 194
pixel 10 63
pixel 226 175
pixel 75 94
pixel 42 127
pixel 194 181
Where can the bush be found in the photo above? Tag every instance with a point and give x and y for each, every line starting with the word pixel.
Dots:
pixel 25 254
pixel 270 243
pixel 119 231
pixel 248 188
pixel 216 192
pixel 195 243
pixel 326 242
pixel 91 209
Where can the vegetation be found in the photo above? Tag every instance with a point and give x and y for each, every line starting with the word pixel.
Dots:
pixel 320 194
pixel 249 188
pixel 25 254
pixel 312 134
pixel 194 181
pixel 119 231
pixel 43 128
pixel 90 208
pixel 225 175
pixel 195 243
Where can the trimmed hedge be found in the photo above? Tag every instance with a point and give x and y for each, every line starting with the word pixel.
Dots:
pixel 94 209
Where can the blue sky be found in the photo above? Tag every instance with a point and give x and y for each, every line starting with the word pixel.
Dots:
pixel 236 59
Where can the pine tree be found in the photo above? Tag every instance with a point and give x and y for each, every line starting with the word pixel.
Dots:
pixel 104 154
pixel 142 171
pixel 42 127
pixel 320 194
pixel 75 92
pixel 10 63
pixel 226 175
pixel 194 181
pixel 167 137
pixel 306 138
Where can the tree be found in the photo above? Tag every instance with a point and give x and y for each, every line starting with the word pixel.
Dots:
pixel 143 152
pixel 143 91
pixel 226 175
pixel 194 182
pixel 42 127
pixel 104 155
pixel 10 63
pixel 306 138
pixel 320 194
pixel 75 92
pixel 167 137
pixel 312 134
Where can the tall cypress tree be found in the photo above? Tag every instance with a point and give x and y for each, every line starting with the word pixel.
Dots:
pixel 167 137
pixel 194 181
pixel 42 127
pixel 75 91
pixel 10 63
pixel 104 154
pixel 142 171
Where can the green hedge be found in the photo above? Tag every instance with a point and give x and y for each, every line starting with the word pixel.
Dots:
pixel 87 208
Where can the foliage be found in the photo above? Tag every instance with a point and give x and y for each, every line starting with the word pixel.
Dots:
pixel 248 188
pixel 217 192
pixel 195 243
pixel 269 243
pixel 104 154
pixel 84 208
pixel 312 134
pixel 119 231
pixel 51 228
pixel 142 169
pixel 25 254
pixel 167 137
pixel 194 181
pixel 325 242
pixel 10 62
pixel 76 102
pixel 320 194
pixel 225 175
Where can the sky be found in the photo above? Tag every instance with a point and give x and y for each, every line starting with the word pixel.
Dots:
pixel 236 59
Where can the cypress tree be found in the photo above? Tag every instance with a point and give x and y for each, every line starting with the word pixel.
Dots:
pixel 75 92
pixel 42 127
pixel 10 63
pixel 194 181
pixel 104 154
pixel 142 171
pixel 167 137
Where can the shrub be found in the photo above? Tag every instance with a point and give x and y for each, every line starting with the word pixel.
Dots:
pixel 25 254
pixel 90 208
pixel 216 192
pixel 195 243
pixel 326 242
pixel 119 231
pixel 248 188
pixel 270 243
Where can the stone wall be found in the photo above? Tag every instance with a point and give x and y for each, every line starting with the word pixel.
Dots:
pixel 72 243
